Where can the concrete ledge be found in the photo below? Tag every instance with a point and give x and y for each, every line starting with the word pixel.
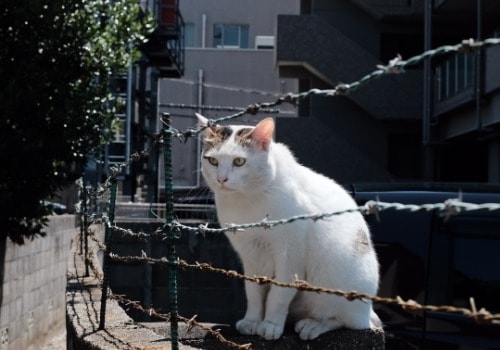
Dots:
pixel 343 339
pixel 83 303
pixel 83 298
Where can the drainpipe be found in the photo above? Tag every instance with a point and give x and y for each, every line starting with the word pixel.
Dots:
pixel 203 31
pixel 200 110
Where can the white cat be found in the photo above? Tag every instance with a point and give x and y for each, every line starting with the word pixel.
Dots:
pixel 254 177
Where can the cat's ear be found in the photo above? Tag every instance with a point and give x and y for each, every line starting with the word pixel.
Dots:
pixel 202 121
pixel 262 135
pixel 208 132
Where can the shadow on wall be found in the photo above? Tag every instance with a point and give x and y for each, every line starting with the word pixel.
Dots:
pixel 212 297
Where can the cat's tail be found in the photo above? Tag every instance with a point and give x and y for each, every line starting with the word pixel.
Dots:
pixel 375 321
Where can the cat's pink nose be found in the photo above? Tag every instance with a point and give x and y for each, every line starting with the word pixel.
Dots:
pixel 222 179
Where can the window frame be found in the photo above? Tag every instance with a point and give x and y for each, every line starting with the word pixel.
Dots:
pixel 243 36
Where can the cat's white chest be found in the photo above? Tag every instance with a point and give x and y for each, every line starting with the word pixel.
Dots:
pixel 240 211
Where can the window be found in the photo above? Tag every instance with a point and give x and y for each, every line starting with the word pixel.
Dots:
pixel 230 36
pixel 189 35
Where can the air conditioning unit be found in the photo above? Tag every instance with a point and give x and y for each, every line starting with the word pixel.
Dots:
pixel 263 42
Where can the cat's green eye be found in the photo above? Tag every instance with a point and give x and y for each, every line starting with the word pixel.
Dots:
pixel 213 161
pixel 239 161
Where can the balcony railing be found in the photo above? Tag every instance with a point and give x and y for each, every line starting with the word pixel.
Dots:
pixel 165 48
pixel 455 75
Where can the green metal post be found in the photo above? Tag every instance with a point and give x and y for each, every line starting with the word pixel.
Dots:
pixel 171 255
pixel 86 230
pixel 82 214
pixel 107 241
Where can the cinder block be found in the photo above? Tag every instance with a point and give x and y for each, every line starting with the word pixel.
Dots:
pixel 5 315
pixel 16 308
pixel 4 337
pixel 16 328
pixel 7 292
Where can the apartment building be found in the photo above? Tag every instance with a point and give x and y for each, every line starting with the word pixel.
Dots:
pixel 229 65
pixel 438 121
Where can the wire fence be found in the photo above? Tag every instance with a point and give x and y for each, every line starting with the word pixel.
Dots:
pixel 172 229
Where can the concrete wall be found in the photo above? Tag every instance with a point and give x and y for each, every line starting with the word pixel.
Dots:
pixel 34 285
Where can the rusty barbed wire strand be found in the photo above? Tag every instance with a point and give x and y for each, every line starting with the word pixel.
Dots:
pixel 449 208
pixel 395 66
pixel 190 322
pixel 100 245
pixel 90 259
pixel 129 233
pixel 118 168
pixel 480 316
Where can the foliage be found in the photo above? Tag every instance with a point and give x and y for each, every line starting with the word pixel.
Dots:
pixel 55 107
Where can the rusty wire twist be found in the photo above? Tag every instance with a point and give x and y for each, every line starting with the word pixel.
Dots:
pixel 481 316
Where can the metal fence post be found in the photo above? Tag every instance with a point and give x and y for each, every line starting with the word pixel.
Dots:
pixel 107 242
pixel 86 230
pixel 81 212
pixel 171 254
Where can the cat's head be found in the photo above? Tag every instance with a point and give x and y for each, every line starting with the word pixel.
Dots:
pixel 235 158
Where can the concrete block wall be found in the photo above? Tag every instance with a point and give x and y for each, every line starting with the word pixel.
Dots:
pixel 33 302
pixel 211 297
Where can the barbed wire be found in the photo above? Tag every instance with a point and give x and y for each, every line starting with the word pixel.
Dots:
pixel 395 66
pixel 190 322
pixel 226 87
pixel 481 316
pixel 213 108
pixel 447 209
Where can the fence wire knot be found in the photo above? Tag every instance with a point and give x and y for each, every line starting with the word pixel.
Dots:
pixel 372 208
pixel 394 66
pixel 468 45
pixel 291 99
pixel 451 208
pixel 253 109
pixel 266 224
pixel 174 227
pixel 202 229
pixel 342 89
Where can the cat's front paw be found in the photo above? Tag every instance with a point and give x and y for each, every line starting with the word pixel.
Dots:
pixel 247 326
pixel 311 329
pixel 269 330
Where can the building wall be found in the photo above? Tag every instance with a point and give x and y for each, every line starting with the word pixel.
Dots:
pixel 230 78
pixel 355 136
pixel 354 23
pixel 34 286
pixel 259 14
